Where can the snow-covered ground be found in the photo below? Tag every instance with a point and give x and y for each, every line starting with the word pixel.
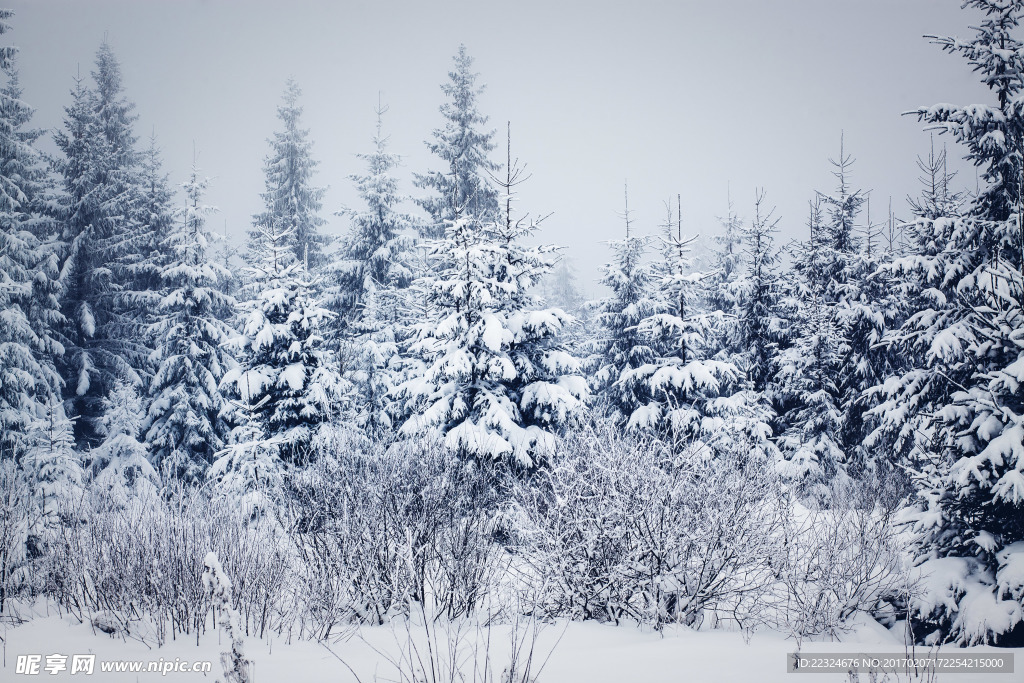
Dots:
pixel 586 652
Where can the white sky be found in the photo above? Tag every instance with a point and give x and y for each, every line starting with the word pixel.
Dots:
pixel 677 97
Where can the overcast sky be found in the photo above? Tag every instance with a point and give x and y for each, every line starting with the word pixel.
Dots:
pixel 677 97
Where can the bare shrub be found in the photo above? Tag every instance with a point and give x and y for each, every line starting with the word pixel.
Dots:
pixel 142 560
pixel 835 562
pixel 15 564
pixel 379 531
pixel 637 528
pixel 429 649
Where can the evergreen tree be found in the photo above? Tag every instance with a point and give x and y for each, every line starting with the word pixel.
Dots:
pixel 371 284
pixel 185 427
pixel 958 411
pixel 675 390
pixel 498 381
pixel 377 253
pixel 561 288
pixel 910 278
pixel 621 346
pixel 155 216
pixel 29 307
pixel 937 199
pixel 842 207
pixel 225 254
pixel 121 465
pixel 760 323
pixel 292 203
pixel 724 284
pixel 805 387
pixel 812 457
pixel 285 381
pixel 831 360
pixel 54 472
pixel 461 189
pixel 866 309
pixel 108 262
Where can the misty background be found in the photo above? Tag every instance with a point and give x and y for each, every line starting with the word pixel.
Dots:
pixel 695 98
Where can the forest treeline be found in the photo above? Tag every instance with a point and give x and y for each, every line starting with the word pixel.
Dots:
pixel 869 368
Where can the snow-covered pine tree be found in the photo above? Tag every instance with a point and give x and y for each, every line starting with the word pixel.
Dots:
pixel 371 280
pixel 185 426
pixel 959 411
pixel 832 358
pixel 291 201
pixel 498 382
pixel 120 466
pixel 811 446
pixel 376 253
pixel 683 392
pixel 226 254
pixel 842 207
pixel 855 294
pixel 107 261
pixel 804 387
pixel 620 346
pixel 909 277
pixel 54 473
pixel 284 374
pixel 938 197
pixel 724 284
pixel 759 319
pixel 29 307
pixel 461 189
pixel 561 288
pixel 865 309
pixel 676 331
pixel 155 215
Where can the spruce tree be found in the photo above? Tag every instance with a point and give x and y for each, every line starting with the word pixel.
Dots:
pixel 156 216
pixel 620 346
pixel 561 288
pixel 498 382
pixel 29 289
pixel 292 202
pixel 687 391
pixel 108 263
pixel 376 255
pixel 805 389
pixel 724 284
pixel 831 359
pixel 185 426
pixel 121 465
pixel 371 285
pixel 959 412
pixel 54 471
pixel 461 189
pixel 759 320
pixel 285 385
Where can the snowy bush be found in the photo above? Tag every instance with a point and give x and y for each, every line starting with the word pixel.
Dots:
pixel 14 525
pixel 836 562
pixel 623 528
pixel 378 531
pixel 142 561
pixel 463 651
